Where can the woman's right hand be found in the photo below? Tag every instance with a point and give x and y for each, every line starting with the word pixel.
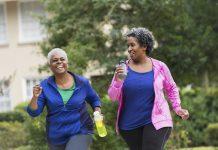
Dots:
pixel 119 70
pixel 37 90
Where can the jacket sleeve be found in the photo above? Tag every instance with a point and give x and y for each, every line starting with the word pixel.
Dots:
pixel 92 97
pixel 41 105
pixel 115 89
pixel 171 89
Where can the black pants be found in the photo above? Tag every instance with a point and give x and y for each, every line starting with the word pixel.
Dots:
pixel 146 137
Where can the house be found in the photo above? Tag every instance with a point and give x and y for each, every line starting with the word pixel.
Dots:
pixel 20 33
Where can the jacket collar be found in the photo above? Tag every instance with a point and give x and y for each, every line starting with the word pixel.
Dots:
pixel 156 66
pixel 78 81
pixel 155 63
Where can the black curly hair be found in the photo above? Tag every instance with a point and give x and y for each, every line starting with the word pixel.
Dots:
pixel 144 36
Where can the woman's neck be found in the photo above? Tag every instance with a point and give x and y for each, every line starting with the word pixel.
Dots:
pixel 141 61
pixel 64 80
pixel 142 66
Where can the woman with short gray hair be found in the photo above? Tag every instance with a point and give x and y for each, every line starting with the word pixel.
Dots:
pixel 68 123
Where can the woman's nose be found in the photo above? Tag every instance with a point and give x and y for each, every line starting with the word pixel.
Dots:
pixel 129 49
pixel 59 61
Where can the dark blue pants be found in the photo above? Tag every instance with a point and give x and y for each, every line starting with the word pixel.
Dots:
pixel 77 142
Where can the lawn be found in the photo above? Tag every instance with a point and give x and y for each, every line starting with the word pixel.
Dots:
pixel 200 148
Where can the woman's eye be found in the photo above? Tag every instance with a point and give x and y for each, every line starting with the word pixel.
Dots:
pixel 54 60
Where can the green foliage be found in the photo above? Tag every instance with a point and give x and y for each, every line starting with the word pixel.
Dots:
pixel 21 106
pixel 212 134
pixel 32 130
pixel 101 84
pixel 36 134
pixel 12 135
pixel 185 31
pixel 24 148
pixel 200 148
pixel 203 108
pixel 12 116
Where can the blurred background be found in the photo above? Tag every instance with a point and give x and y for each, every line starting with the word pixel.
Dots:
pixel 92 33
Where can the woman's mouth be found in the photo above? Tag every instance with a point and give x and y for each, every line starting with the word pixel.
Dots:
pixel 132 54
pixel 59 67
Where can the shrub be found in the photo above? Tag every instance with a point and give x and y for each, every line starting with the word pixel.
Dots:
pixel 212 134
pixel 12 116
pixel 21 106
pixel 36 133
pixel 12 135
pixel 203 108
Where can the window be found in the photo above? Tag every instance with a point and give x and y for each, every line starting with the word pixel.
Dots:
pixel 3 37
pixel 29 84
pixel 5 104
pixel 30 29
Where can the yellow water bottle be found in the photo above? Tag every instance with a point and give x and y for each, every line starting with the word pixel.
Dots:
pixel 98 118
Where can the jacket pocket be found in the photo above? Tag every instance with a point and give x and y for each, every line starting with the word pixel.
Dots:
pixel 166 110
pixel 161 112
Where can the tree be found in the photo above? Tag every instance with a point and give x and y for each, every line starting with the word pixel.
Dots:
pixel 185 32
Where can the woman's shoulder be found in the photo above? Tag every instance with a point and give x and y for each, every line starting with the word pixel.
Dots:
pixel 158 62
pixel 45 80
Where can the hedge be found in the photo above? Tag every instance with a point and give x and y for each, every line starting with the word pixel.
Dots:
pixel 212 134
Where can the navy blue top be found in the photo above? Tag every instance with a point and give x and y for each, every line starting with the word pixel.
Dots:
pixel 138 98
pixel 64 121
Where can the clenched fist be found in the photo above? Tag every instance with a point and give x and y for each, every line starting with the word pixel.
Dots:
pixel 183 113
pixel 37 90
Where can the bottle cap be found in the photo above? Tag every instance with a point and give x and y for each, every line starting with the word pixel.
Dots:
pixel 96 113
pixel 122 62
pixel 97 116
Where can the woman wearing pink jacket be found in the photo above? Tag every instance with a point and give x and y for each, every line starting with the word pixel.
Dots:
pixel 143 118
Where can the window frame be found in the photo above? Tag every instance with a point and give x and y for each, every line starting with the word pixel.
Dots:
pixel 21 39
pixel 25 88
pixel 5 99
pixel 6 24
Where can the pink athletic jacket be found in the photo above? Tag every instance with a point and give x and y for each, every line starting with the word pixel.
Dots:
pixel 163 81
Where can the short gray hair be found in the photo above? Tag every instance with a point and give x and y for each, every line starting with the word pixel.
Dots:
pixel 59 51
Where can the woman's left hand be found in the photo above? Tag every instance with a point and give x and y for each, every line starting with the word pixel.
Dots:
pixel 98 109
pixel 183 113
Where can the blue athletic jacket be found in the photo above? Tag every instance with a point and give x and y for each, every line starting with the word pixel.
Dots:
pixel 64 121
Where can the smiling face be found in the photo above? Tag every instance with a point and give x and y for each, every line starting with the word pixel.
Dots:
pixel 135 50
pixel 58 64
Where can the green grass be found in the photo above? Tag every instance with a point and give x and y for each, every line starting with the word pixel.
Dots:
pixel 200 148
pixel 23 148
